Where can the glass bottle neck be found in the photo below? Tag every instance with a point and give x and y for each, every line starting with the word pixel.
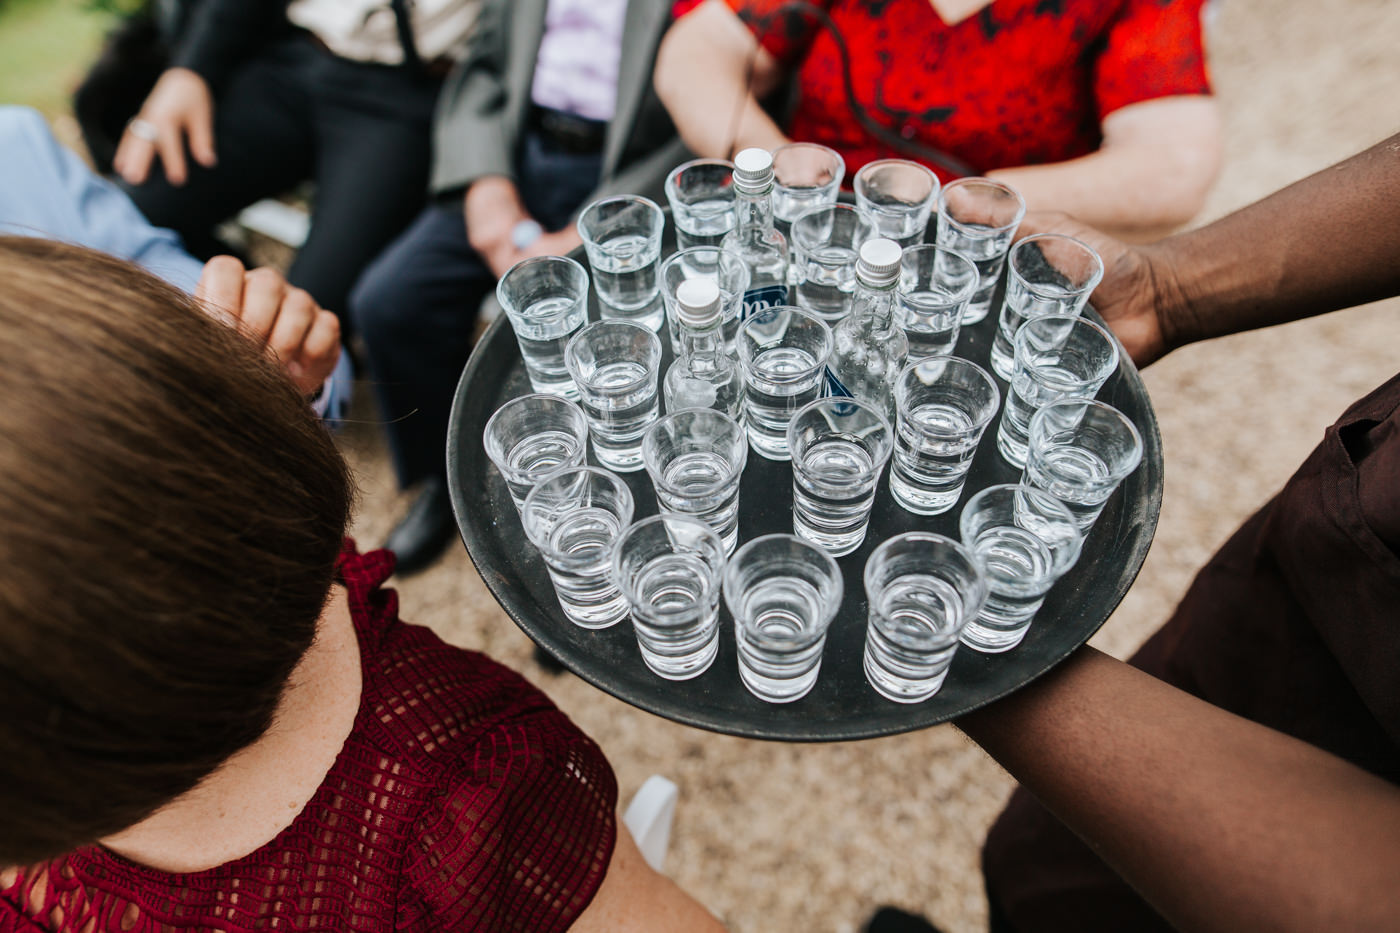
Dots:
pixel 875 304
pixel 754 212
pixel 702 347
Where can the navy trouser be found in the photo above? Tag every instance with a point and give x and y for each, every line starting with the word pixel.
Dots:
pixel 416 305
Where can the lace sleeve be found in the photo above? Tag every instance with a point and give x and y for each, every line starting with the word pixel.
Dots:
pixel 517 835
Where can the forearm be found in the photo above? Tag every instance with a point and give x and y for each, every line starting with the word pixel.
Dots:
pixel 1151 174
pixel 710 73
pixel 1137 194
pixel 1220 823
pixel 1328 242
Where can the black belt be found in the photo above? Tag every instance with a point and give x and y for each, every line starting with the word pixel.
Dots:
pixel 568 131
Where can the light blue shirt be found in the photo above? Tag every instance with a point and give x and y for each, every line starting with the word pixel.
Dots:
pixel 47 191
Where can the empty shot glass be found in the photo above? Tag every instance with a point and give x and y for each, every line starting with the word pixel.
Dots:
pixel 839 447
pixel 725 269
pixel 574 517
pixel 1024 540
pixel 935 286
pixel 942 406
pixel 622 237
pixel 898 196
pixel 1057 356
pixel 978 217
pixel 669 568
pixel 615 365
pixel 783 593
pixel 1046 274
pixel 826 245
pixel 701 195
pixel 695 458
pixel 1080 450
pixel 546 301
pixel 783 352
pixel 922 589
pixel 531 436
pixel 805 175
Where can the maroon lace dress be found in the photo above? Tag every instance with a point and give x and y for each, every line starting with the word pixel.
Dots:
pixel 462 800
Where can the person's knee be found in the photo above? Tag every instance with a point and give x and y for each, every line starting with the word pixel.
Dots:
pixel 374 299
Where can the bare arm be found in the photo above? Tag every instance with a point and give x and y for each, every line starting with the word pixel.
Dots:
pixel 1324 243
pixel 710 74
pixel 1222 824
pixel 1151 175
pixel 635 899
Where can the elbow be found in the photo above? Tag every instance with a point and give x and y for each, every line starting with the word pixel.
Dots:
pixel 1190 166
pixel 1189 174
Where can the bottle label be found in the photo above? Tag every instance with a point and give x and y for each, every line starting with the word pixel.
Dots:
pixel 834 387
pixel 760 299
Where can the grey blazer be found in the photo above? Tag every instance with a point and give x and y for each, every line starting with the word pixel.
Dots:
pixel 484 104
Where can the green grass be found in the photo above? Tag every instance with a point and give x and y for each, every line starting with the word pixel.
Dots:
pixel 46 47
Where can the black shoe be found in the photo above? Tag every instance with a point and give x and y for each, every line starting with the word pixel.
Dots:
pixel 890 920
pixel 424 532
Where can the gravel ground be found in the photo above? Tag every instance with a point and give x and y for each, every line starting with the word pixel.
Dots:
pixel 810 838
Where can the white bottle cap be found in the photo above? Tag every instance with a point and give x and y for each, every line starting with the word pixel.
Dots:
pixel 879 261
pixel 698 302
pixel 753 170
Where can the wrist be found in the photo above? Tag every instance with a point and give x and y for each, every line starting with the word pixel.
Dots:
pixel 1173 304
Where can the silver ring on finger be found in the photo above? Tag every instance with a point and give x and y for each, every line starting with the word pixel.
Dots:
pixel 143 129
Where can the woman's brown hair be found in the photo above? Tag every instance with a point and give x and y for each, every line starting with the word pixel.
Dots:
pixel 170 516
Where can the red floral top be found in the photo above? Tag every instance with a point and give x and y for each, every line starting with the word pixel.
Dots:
pixel 1021 82
pixel 462 800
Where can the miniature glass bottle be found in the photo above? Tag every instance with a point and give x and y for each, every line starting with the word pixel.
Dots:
pixel 703 376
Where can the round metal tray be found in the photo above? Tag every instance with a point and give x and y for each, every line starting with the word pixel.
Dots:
pixel 842 705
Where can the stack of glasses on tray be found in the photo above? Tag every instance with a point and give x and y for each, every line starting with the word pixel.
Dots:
pixel 858 371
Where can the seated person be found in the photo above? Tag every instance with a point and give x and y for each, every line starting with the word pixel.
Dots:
pixel 1100 109
pixel 263 95
pixel 552 110
pixel 214 718
pixel 47 191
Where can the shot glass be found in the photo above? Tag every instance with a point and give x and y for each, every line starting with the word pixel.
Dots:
pixel 531 436
pixel 574 517
pixel 978 217
pixel 922 589
pixel 935 286
pixel 1057 356
pixel 783 352
pixel 727 270
pixel 898 196
pixel 546 302
pixel 622 237
pixel 615 365
pixel 1024 540
pixel 942 406
pixel 1047 274
pixel 826 245
pixel 669 568
pixel 701 195
pixel 783 593
pixel 696 458
pixel 805 175
pixel 839 448
pixel 1080 450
